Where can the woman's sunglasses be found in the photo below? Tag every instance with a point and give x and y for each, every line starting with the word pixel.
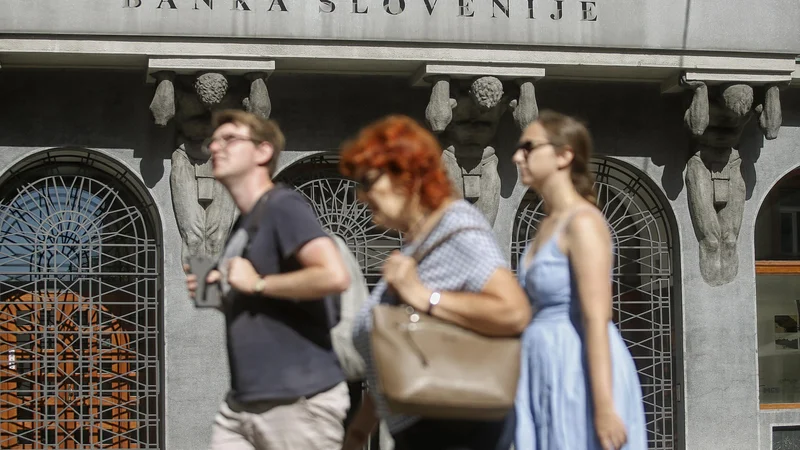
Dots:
pixel 528 146
pixel 365 182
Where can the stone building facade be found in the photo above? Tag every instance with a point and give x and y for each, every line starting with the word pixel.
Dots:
pixel 693 106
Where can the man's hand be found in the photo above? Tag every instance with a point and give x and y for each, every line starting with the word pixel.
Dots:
pixel 191 279
pixel 242 276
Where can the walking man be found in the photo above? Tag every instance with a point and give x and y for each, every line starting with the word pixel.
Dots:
pixel 287 387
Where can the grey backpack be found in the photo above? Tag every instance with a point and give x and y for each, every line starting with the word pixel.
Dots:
pixel 350 302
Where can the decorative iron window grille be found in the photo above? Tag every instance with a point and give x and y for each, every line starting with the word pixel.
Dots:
pixel 334 199
pixel 80 318
pixel 642 282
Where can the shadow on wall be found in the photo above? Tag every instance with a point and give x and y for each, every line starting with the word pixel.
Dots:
pixel 318 112
pixel 753 140
pixel 750 145
pixel 625 119
pixel 97 109
pixel 110 110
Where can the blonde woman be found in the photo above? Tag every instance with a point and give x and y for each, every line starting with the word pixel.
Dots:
pixel 578 389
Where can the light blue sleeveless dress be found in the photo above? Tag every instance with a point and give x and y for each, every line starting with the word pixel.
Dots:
pixel 554 406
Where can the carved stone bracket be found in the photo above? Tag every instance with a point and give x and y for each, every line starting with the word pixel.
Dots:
pixel 187 92
pixel 525 108
pixel 258 101
pixel 164 70
pixel 464 109
pixel 720 107
pixel 163 104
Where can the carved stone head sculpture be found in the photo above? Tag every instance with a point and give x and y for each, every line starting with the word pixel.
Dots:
pixel 479 106
pixel 730 109
pixel 211 88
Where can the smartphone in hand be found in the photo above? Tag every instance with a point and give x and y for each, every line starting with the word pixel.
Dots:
pixel 207 295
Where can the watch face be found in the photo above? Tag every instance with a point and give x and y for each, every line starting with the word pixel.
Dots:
pixel 259 286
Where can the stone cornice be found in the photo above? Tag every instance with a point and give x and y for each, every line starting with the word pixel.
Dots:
pixel 229 66
pixel 426 71
pixel 385 59
pixel 752 78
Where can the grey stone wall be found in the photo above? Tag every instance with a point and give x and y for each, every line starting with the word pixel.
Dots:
pixel 634 122
pixel 675 25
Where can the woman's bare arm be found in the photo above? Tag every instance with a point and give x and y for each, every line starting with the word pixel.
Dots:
pixel 589 248
pixel 500 309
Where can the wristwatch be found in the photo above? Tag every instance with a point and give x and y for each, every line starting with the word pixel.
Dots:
pixel 433 301
pixel 259 285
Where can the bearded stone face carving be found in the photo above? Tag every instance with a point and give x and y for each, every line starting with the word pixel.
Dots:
pixel 466 114
pixel 203 208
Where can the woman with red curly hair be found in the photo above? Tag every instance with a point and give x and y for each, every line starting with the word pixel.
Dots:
pixel 464 280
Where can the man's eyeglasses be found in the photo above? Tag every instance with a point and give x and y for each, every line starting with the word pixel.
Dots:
pixel 226 140
pixel 528 146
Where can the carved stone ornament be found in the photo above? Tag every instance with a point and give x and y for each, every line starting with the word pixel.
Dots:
pixel 204 210
pixel 466 114
pixel 715 186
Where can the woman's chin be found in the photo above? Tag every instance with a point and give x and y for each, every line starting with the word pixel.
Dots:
pixel 377 219
pixel 527 180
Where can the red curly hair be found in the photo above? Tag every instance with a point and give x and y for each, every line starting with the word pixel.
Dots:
pixel 400 147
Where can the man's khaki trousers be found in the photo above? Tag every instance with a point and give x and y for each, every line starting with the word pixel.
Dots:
pixel 314 423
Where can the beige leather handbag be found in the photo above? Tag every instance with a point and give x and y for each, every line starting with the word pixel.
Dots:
pixel 432 368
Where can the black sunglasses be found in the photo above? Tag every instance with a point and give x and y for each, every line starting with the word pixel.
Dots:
pixel 528 146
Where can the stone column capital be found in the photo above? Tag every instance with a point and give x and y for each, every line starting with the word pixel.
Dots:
pixel 192 65
pixel 690 79
pixel 429 73
pixel 253 76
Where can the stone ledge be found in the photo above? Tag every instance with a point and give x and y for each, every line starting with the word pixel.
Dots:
pixel 230 66
pixel 672 84
pixel 469 71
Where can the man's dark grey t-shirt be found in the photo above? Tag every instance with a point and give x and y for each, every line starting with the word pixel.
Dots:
pixel 279 348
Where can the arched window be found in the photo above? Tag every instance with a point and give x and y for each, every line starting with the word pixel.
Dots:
pixel 80 310
pixel 777 248
pixel 642 281
pixel 334 199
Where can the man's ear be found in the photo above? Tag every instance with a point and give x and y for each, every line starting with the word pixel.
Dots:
pixel 265 153
pixel 565 156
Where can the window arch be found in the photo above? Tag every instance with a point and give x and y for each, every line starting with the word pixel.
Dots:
pixel 642 281
pixel 777 252
pixel 334 199
pixel 80 311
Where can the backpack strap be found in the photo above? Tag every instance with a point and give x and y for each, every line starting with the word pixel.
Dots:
pixel 253 221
